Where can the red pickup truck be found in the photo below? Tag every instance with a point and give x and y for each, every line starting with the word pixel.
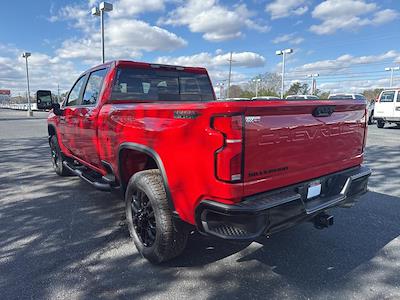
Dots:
pixel 235 170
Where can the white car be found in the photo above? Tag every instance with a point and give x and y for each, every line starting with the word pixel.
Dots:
pixel 302 97
pixel 370 105
pixel 266 98
pixel 347 97
pixel 236 99
pixel 387 108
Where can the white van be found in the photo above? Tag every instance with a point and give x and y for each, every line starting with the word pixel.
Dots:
pixel 387 108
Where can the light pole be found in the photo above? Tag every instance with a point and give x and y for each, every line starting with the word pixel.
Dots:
pixel 283 53
pixel 257 81
pixel 392 69
pixel 26 55
pixel 313 82
pixel 103 7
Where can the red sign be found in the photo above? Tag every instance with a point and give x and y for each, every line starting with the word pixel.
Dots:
pixel 5 92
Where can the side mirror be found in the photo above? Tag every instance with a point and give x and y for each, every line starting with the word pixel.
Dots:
pixel 57 109
pixel 44 99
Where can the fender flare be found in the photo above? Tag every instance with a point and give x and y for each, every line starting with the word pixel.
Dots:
pixel 153 154
pixel 50 125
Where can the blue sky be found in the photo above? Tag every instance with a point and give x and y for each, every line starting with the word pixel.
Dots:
pixel 348 42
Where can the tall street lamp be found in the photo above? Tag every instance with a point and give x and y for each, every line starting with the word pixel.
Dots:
pixel 26 55
pixel 313 82
pixel 283 53
pixel 392 69
pixel 99 11
pixel 257 81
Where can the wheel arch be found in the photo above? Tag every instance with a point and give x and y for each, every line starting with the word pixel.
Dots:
pixel 131 149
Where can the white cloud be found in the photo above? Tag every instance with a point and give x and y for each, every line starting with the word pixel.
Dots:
pixel 216 22
pixel 126 8
pixel 355 86
pixel 79 17
pixel 285 8
pixel 140 35
pixel 217 65
pixel 384 16
pixel 205 59
pixel 348 15
pixel 125 37
pixel 291 38
pixel 45 72
pixel 345 61
pixel 222 76
pixel 343 74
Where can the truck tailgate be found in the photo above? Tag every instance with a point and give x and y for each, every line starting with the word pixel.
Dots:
pixel 288 142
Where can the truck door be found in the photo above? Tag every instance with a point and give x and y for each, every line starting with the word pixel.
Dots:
pixel 386 106
pixel 396 111
pixel 87 114
pixel 69 121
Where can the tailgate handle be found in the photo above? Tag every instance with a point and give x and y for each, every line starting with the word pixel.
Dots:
pixel 323 111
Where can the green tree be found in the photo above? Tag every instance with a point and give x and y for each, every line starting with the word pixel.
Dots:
pixel 372 94
pixel 298 88
pixel 235 91
pixel 269 84
pixel 247 94
pixel 323 95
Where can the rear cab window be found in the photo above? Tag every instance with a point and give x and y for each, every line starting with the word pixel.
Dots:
pixel 161 84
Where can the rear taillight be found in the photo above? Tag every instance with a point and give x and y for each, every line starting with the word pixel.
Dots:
pixel 229 158
pixel 365 129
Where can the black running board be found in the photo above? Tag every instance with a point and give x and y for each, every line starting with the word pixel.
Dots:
pixel 102 186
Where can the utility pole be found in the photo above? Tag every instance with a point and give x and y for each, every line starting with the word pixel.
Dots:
pixel 230 74
pixel 392 69
pixel 313 82
pixel 283 53
pixel 58 93
pixel 26 55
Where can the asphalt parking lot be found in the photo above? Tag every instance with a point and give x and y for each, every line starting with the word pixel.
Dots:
pixel 60 238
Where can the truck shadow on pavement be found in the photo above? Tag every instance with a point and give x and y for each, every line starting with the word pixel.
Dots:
pixel 61 238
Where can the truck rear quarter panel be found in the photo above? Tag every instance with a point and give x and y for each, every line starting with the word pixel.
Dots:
pixel 186 148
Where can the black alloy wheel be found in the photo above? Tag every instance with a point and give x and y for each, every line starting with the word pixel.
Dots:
pixel 144 221
pixel 55 154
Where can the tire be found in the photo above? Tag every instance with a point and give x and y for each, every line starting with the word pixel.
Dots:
pixel 380 124
pixel 150 221
pixel 57 158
